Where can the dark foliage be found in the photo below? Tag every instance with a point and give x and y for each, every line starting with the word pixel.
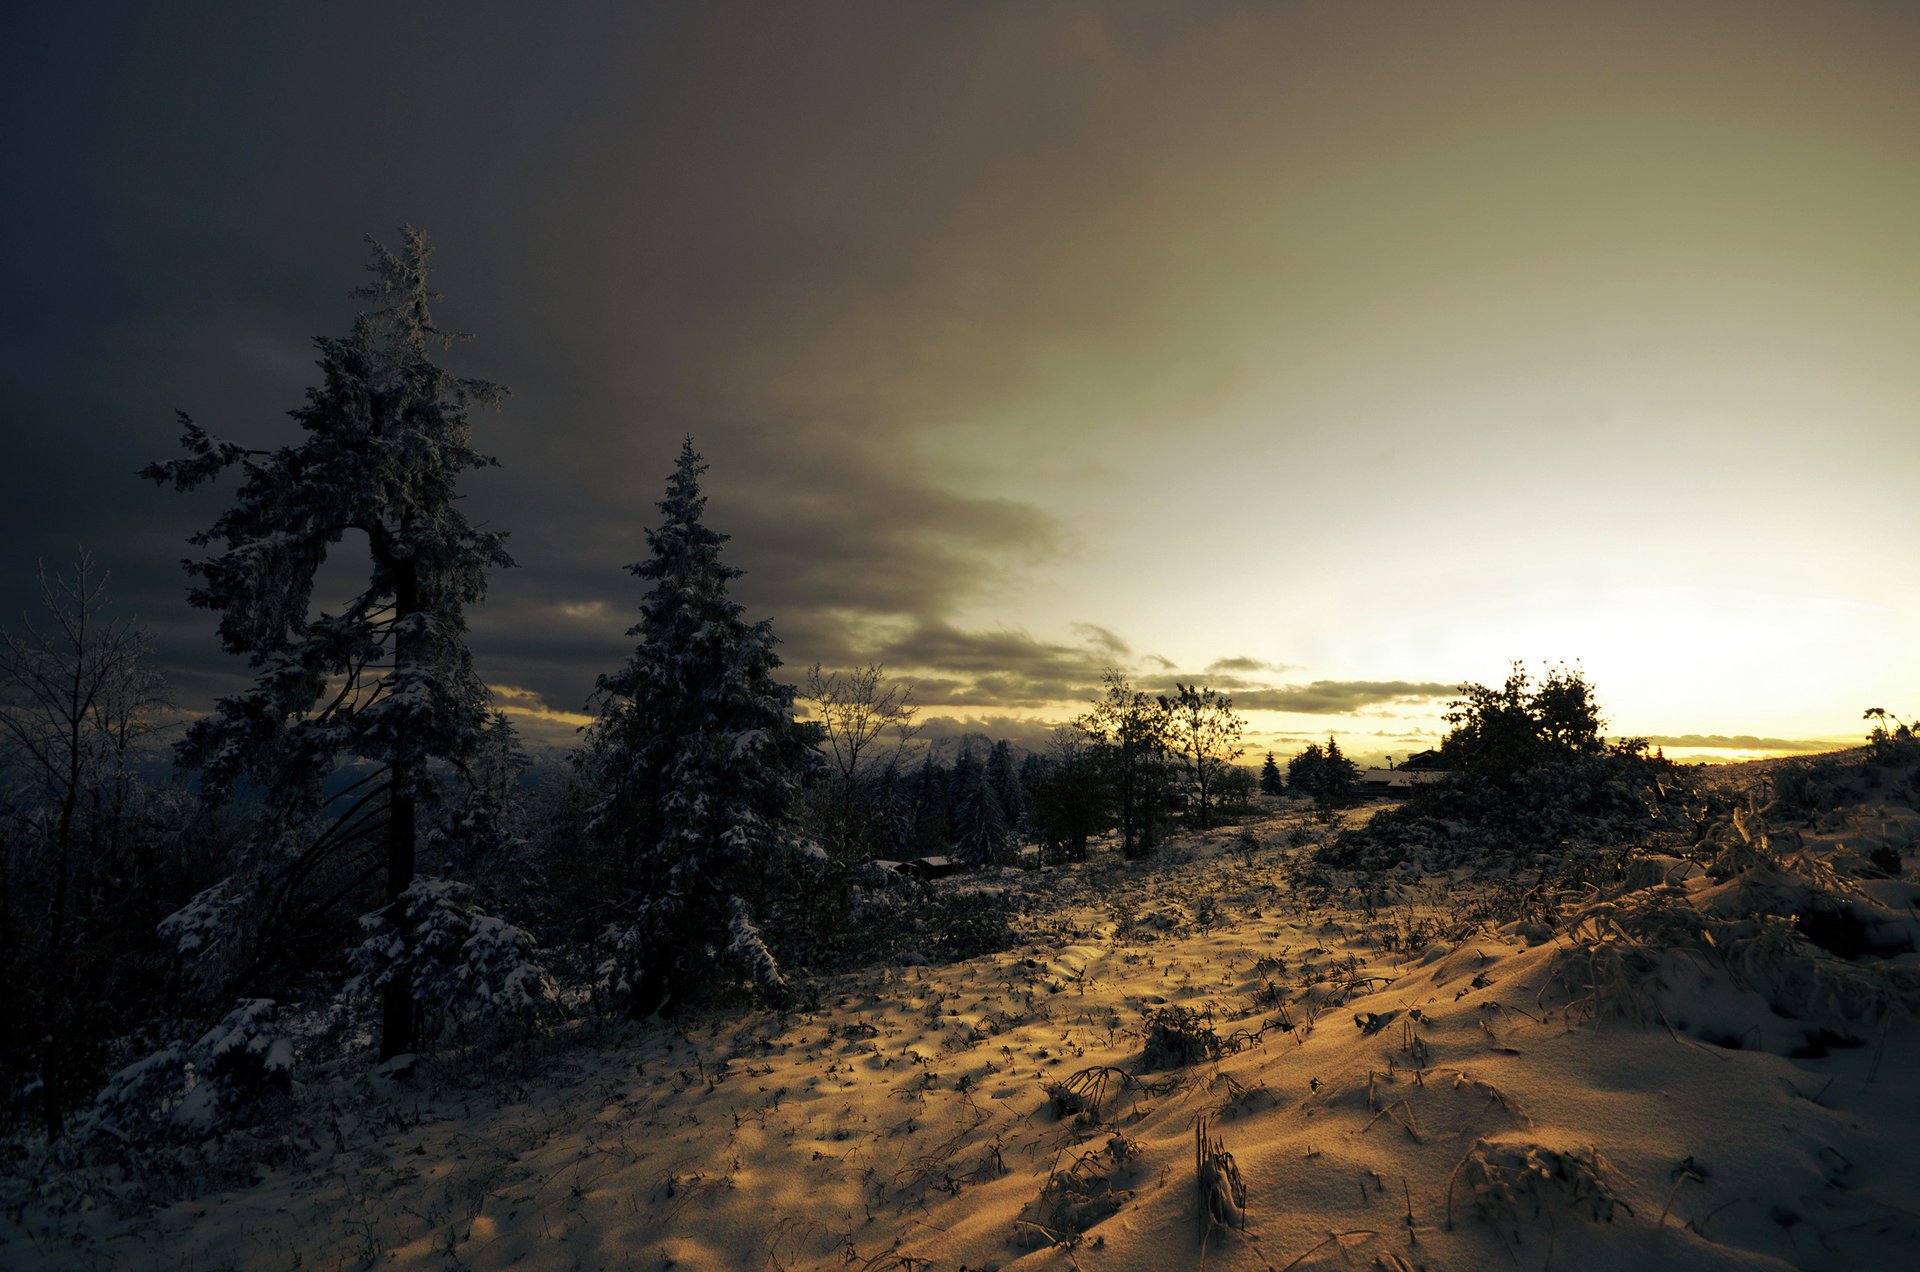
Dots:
pixel 1180 1036
pixel 1068 797
pixel 1324 774
pixel 1271 782
pixel 980 833
pixel 900 923
pixel 1890 766
pixel 1131 733
pixel 1531 773
pixel 384 680
pixel 699 760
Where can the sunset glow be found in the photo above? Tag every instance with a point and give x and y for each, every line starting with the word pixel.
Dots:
pixel 1342 346
pixel 960 634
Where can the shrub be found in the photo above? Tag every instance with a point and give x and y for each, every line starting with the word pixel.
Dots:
pixel 463 965
pixel 184 1092
pixel 1180 1036
pixel 1532 773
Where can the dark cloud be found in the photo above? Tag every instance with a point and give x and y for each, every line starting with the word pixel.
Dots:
pixel 1340 697
pixel 1100 638
pixel 841 248
pixel 745 270
pixel 1000 668
pixel 952 667
pixel 1242 664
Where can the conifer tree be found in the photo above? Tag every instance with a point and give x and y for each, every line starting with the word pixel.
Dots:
pixel 979 824
pixel 1271 783
pixel 1307 771
pixel 387 679
pixel 1069 799
pixel 1004 776
pixel 929 795
pixel 1338 775
pixel 700 758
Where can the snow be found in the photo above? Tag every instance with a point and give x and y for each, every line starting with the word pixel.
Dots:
pixel 1613 1084
pixel 464 966
pixel 181 1091
pixel 200 927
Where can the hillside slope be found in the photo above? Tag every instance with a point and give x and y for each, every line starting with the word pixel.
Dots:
pixel 1693 1055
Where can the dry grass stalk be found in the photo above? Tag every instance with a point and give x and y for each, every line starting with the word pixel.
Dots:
pixel 1334 1239
pixel 1220 1192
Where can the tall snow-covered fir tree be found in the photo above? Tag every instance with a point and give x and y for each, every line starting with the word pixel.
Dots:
pixel 388 679
pixel 700 759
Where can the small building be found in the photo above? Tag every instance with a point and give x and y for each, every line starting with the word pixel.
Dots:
pixel 929 867
pixel 1400 781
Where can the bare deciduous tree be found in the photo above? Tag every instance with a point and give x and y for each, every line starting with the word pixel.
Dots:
pixel 76 697
pixel 1206 736
pixel 868 724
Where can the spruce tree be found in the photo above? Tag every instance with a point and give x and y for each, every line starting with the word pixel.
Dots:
pixel 928 792
pixel 1271 783
pixel 1307 771
pixel 699 758
pixel 1339 775
pixel 1069 800
pixel 1004 776
pixel 387 679
pixel 979 824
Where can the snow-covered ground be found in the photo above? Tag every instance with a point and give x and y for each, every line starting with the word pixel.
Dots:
pixel 1607 1080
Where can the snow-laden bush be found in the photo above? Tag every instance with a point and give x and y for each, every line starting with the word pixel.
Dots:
pixel 1515 1182
pixel 462 965
pixel 1613 796
pixel 634 970
pixel 1769 919
pixel 748 948
pixel 185 1092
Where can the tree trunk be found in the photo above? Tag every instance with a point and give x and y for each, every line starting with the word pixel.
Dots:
pixel 396 1010
pixel 54 1079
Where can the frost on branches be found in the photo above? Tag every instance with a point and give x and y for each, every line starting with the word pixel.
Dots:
pixel 463 965
pixel 386 677
pixel 699 758
pixel 204 930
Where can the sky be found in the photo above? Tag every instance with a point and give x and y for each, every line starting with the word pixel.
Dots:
pixel 1331 355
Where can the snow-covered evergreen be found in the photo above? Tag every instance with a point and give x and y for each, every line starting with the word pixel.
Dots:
pixel 188 1090
pixel 462 965
pixel 980 835
pixel 700 757
pixel 387 679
